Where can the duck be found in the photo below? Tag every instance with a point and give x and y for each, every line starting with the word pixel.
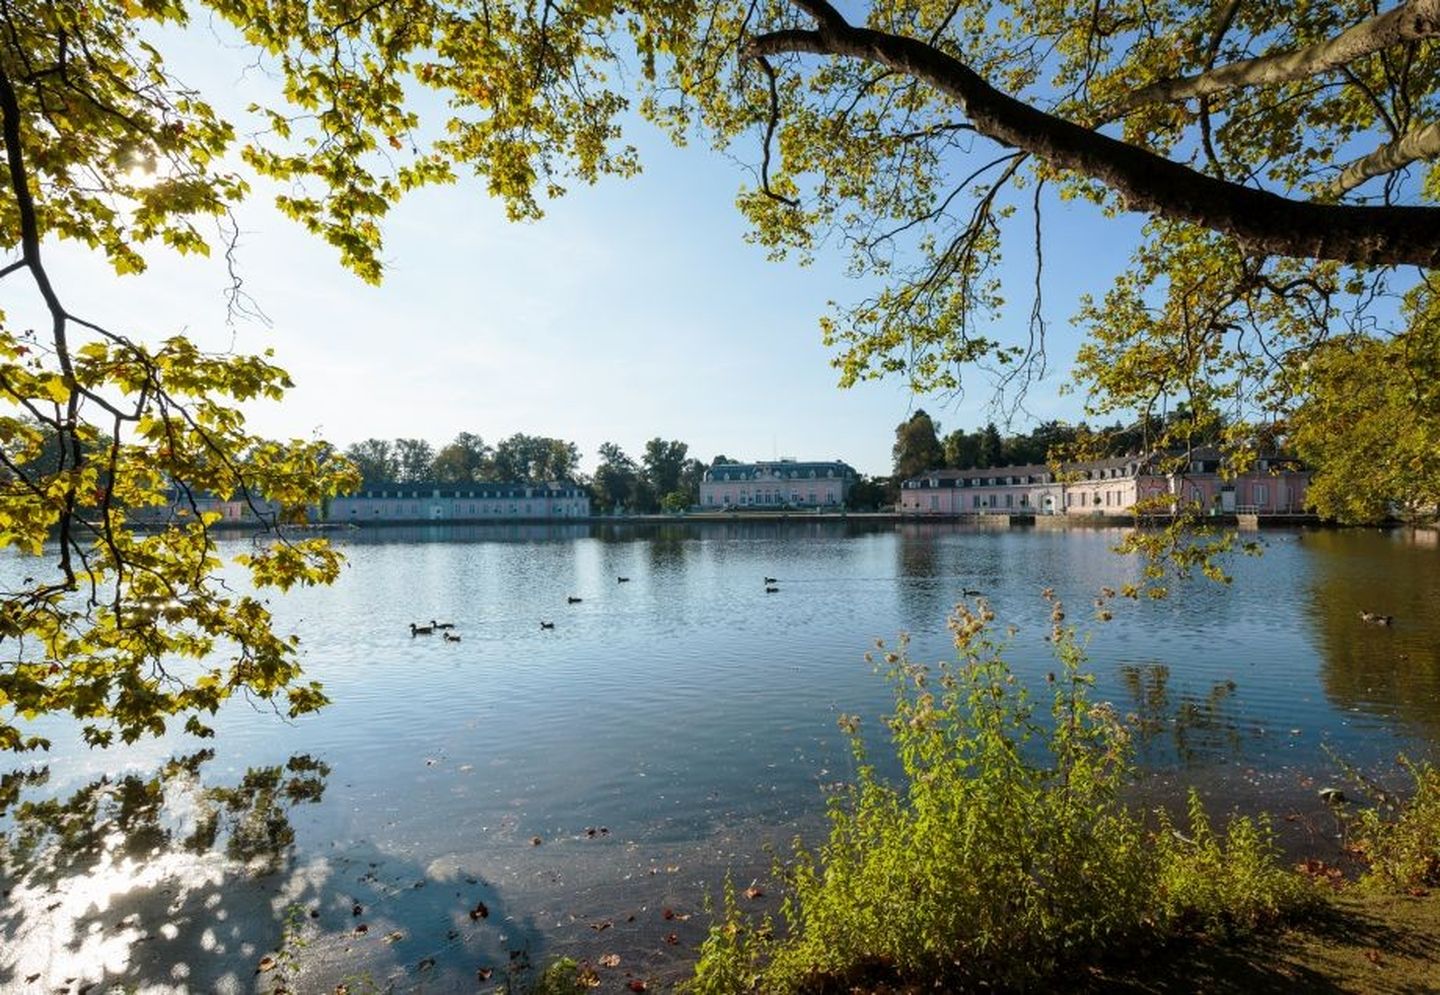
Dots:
pixel 450 637
pixel 421 630
pixel 771 590
pixel 1376 619
pixel 547 625
pixel 574 600
pixel 441 625
pixel 771 580
pixel 969 592
pixel 622 580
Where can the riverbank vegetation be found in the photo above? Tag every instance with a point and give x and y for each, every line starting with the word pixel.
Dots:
pixel 1006 856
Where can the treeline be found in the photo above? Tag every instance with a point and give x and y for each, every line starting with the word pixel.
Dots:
pixel 919 445
pixel 665 477
pixel 527 459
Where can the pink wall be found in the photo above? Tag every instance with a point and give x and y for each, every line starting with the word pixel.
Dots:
pixel 1261 492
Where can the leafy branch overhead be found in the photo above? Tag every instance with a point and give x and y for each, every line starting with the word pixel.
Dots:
pixel 1283 156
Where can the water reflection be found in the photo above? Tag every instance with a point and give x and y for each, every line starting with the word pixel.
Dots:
pixel 1175 726
pixel 136 878
pixel 1372 669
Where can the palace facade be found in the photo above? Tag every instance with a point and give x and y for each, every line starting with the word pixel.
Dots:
pixel 460 503
pixel 782 483
pixel 1273 485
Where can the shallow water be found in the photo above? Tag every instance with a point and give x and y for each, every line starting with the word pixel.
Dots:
pixel 687 717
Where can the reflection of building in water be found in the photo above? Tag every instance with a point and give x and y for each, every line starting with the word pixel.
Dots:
pixel 784 483
pixel 461 503
pixel 1111 487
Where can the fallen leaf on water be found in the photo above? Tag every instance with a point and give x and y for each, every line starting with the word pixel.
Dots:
pixel 361 929
pixel 609 960
pixel 426 964
pixel 754 891
pixel 480 911
pixel 357 910
pixel 394 936
pixel 636 985
pixel 483 974
pixel 536 841
pixel 586 977
pixel 267 963
pixel 604 924
pixel 671 939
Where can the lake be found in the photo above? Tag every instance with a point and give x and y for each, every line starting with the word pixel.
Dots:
pixel 587 785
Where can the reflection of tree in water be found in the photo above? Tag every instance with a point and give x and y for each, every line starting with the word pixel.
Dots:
pixel 1392 671
pixel 139 881
pixel 140 816
pixel 1196 727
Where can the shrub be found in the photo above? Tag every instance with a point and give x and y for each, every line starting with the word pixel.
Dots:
pixel 1002 854
pixel 1400 841
pixel 1223 884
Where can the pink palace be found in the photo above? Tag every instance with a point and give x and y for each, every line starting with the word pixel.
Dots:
pixel 1272 486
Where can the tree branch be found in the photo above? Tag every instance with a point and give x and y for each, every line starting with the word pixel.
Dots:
pixel 1263 221
pixel 1410 21
pixel 1422 143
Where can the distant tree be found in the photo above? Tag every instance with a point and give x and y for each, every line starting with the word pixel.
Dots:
pixel 376 461
pixel 464 460
pixel 962 449
pixel 917 446
pixel 872 494
pixel 613 485
pixel 721 460
pixel 664 461
pixel 534 459
pixel 692 473
pixel 675 501
pixel 991 447
pixel 559 461
pixel 415 459
pixel 644 501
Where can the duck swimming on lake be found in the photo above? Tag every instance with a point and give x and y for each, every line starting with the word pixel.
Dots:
pixel 450 637
pixel 1376 619
pixel 622 580
pixel 574 600
pixel 771 590
pixel 547 625
pixel 771 580
pixel 421 630
pixel 441 625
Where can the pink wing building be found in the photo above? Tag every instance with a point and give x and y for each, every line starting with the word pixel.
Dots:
pixel 1273 485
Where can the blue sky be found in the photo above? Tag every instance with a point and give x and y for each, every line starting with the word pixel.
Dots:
pixel 634 309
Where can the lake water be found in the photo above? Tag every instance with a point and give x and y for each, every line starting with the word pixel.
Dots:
pixel 666 730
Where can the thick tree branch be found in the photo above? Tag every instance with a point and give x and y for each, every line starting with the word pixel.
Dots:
pixel 1264 222
pixel 1422 143
pixel 1408 22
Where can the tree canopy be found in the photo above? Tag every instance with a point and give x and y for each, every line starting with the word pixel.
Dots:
pixel 1283 156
